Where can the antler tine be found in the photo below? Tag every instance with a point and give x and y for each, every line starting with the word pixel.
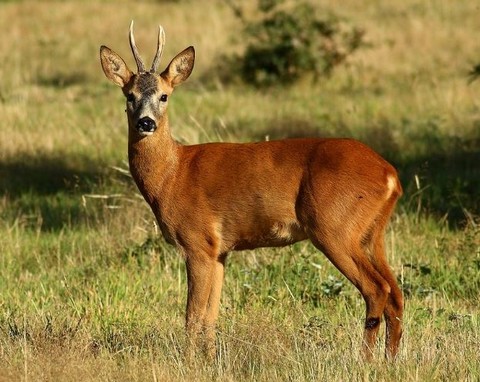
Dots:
pixel 160 45
pixel 138 59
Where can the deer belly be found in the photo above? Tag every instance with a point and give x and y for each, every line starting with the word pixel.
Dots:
pixel 277 234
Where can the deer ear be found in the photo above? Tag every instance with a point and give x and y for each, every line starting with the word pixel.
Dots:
pixel 114 67
pixel 180 67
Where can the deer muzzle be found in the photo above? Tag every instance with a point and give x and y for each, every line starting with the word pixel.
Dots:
pixel 146 126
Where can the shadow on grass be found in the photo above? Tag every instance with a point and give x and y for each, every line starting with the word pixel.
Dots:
pixel 448 184
pixel 46 188
pixel 45 175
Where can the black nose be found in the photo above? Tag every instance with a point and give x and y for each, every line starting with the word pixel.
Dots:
pixel 146 125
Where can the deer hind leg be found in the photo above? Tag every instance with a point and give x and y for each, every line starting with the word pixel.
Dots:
pixel 347 254
pixel 394 307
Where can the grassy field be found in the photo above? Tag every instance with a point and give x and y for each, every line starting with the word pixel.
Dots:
pixel 88 289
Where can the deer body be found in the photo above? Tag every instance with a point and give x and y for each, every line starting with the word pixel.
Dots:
pixel 247 202
pixel 210 199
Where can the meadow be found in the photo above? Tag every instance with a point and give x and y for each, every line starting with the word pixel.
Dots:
pixel 90 291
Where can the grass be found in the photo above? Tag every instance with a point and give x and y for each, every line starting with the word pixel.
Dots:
pixel 88 289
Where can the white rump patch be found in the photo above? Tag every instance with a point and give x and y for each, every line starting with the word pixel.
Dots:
pixel 391 185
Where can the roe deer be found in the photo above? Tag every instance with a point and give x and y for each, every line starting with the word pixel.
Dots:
pixel 213 198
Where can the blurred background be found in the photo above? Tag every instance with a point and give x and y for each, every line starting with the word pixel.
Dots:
pixel 80 252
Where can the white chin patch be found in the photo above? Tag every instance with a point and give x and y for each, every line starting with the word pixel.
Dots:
pixel 145 133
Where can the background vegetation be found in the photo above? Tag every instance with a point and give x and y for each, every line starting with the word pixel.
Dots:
pixel 90 292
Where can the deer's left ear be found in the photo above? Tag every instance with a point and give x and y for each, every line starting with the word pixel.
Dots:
pixel 180 67
pixel 114 67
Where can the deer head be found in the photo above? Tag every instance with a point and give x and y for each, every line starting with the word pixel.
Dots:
pixel 147 92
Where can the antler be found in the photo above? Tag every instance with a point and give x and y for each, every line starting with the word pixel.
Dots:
pixel 160 45
pixel 138 59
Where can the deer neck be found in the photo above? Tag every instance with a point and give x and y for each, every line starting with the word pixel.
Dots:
pixel 153 160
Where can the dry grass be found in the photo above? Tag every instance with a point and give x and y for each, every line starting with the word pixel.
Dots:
pixel 87 294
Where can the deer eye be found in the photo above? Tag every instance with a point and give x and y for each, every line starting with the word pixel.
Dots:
pixel 130 98
pixel 163 98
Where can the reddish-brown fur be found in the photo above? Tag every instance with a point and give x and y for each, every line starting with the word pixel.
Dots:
pixel 213 198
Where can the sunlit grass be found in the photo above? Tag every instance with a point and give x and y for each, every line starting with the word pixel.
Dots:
pixel 88 290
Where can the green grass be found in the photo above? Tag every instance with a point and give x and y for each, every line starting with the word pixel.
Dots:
pixel 89 291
